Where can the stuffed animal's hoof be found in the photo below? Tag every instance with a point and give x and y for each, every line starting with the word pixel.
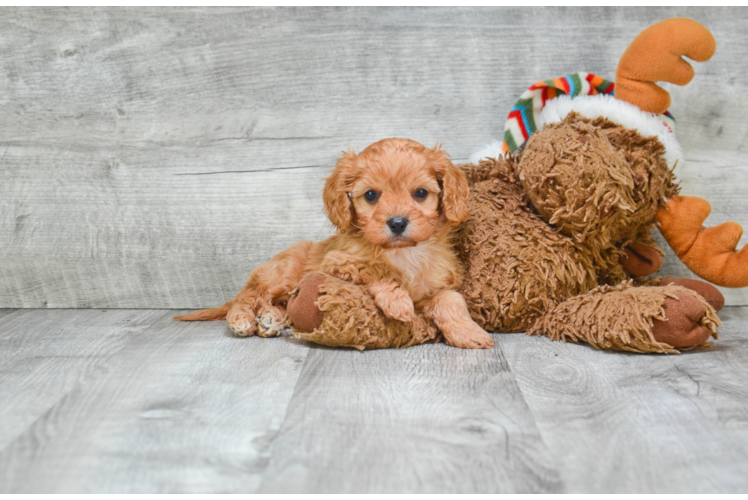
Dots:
pixel 641 260
pixel 683 327
pixel 706 290
pixel 302 309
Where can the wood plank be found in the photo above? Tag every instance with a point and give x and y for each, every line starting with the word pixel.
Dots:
pixel 153 157
pixel 129 401
pixel 427 419
pixel 5 312
pixel 616 422
pixel 183 407
pixel 129 258
pixel 45 354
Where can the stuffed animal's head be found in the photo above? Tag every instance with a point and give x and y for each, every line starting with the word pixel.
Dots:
pixel 622 197
pixel 396 193
pixel 594 180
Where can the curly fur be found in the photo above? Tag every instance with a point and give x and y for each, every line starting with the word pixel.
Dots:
pixel 404 272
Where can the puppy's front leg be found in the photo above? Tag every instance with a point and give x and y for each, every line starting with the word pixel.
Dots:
pixel 343 266
pixel 393 300
pixel 450 313
pixel 390 297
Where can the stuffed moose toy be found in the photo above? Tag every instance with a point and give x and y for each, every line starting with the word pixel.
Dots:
pixel 558 239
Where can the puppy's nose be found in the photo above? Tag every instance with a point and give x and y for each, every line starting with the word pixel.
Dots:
pixel 397 225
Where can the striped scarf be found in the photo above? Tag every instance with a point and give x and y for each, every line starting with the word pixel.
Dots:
pixel 521 123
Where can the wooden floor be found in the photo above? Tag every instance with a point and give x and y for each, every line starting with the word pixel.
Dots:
pixel 130 401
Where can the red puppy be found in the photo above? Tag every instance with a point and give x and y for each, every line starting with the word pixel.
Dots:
pixel 394 205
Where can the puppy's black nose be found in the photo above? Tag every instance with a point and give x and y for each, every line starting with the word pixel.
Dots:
pixel 397 225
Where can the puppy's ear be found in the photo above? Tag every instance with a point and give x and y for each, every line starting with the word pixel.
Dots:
pixel 335 194
pixel 454 186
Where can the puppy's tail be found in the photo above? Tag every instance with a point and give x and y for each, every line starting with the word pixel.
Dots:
pixel 207 314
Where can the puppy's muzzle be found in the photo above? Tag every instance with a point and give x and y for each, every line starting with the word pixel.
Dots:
pixel 397 225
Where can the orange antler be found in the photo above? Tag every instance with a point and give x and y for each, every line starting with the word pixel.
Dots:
pixel 709 252
pixel 655 56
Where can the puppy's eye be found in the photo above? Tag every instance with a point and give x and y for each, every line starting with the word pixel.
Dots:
pixel 420 194
pixel 371 196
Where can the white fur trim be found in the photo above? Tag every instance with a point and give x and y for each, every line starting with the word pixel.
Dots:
pixel 595 106
pixel 492 150
pixel 617 111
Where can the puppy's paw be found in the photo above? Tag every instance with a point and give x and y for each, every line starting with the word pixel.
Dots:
pixel 241 320
pixel 396 304
pixel 346 271
pixel 341 275
pixel 468 336
pixel 270 322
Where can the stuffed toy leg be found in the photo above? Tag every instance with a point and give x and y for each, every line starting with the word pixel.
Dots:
pixel 628 318
pixel 336 313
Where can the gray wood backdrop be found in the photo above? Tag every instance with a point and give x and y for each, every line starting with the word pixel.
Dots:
pixel 150 158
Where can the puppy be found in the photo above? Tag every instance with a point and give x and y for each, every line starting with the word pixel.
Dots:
pixel 394 205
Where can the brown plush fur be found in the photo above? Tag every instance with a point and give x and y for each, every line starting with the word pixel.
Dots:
pixel 622 317
pixel 550 223
pixel 543 247
pixel 516 265
pixel 352 319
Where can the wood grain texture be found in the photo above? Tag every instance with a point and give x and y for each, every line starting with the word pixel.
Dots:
pixel 45 354
pixel 180 408
pixel 130 401
pixel 427 419
pixel 617 422
pixel 153 157
pixel 5 312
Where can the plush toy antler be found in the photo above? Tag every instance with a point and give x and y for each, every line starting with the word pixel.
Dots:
pixel 709 252
pixel 656 55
